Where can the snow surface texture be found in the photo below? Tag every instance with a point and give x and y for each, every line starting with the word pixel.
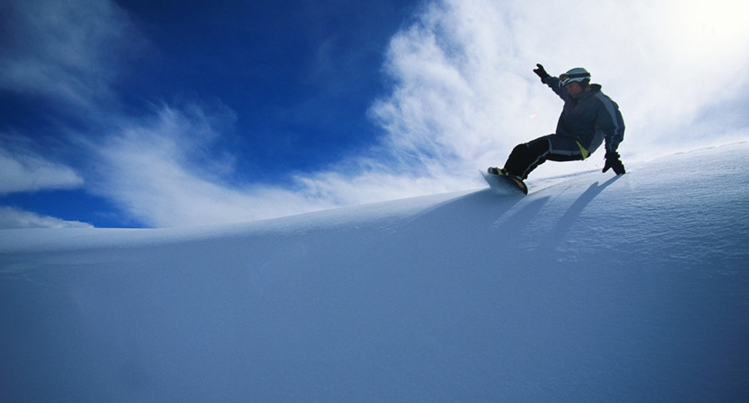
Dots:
pixel 593 288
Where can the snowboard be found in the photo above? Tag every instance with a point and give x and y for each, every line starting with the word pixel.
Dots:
pixel 505 184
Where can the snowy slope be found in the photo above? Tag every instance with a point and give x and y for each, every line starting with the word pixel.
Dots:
pixel 592 288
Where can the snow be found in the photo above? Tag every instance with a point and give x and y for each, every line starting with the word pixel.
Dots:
pixel 591 288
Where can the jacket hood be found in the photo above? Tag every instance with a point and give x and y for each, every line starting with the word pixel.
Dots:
pixel 594 89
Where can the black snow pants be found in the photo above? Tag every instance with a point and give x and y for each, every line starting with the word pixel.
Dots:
pixel 524 158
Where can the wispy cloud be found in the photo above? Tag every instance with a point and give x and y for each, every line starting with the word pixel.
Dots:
pixel 160 170
pixel 24 169
pixel 11 218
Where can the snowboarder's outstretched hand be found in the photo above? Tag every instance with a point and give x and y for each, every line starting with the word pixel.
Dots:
pixel 613 162
pixel 541 73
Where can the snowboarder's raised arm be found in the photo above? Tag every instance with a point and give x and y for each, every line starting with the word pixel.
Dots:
pixel 556 85
pixel 553 82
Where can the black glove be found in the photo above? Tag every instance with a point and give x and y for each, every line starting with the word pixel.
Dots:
pixel 613 162
pixel 541 73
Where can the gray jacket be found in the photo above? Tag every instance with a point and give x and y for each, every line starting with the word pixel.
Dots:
pixel 590 118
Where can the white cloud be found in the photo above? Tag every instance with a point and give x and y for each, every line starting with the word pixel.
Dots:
pixel 11 218
pixel 23 170
pixel 159 170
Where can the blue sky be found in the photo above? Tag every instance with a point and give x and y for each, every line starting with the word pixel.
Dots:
pixel 155 114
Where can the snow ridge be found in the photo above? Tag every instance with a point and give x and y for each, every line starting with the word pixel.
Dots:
pixel 591 288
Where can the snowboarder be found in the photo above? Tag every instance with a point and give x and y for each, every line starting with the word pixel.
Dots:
pixel 588 119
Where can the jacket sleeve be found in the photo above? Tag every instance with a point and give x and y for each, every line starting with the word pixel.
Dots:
pixel 556 85
pixel 610 122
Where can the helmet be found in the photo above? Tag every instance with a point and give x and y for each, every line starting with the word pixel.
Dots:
pixel 578 74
